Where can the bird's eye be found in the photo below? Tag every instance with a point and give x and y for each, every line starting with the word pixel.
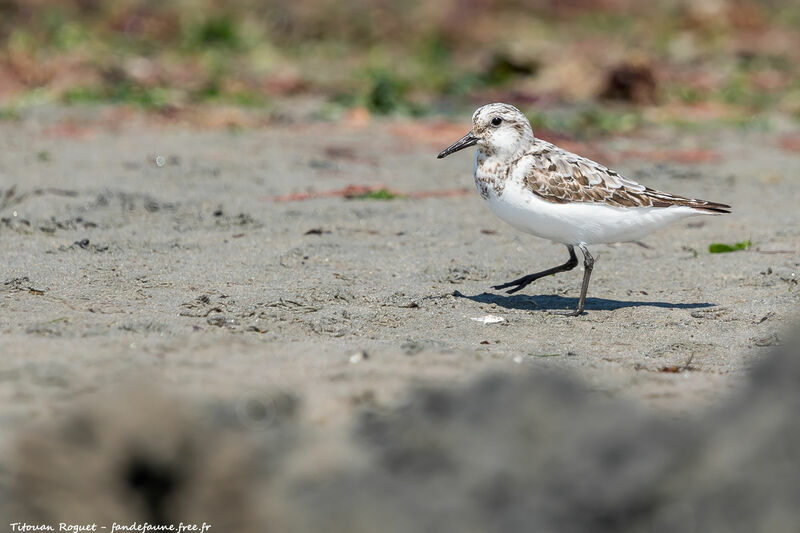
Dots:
pixel 496 121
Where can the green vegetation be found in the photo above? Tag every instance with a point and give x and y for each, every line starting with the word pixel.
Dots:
pixel 125 93
pixel 215 32
pixel 387 94
pixel 737 64
pixel 720 248
pixel 380 194
pixel 587 121
pixel 9 114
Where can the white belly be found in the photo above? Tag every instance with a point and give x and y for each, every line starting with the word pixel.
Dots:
pixel 576 223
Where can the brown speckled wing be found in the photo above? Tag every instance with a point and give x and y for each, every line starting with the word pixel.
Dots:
pixel 559 176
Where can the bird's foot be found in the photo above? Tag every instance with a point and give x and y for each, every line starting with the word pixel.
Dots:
pixel 516 285
pixel 509 291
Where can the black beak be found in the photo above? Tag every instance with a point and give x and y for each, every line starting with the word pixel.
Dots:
pixel 464 142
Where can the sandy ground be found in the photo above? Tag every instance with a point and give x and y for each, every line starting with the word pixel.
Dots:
pixel 159 254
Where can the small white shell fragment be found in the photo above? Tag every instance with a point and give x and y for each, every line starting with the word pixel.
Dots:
pixel 517 359
pixel 358 357
pixel 489 319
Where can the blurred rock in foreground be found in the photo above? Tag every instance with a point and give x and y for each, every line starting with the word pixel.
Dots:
pixel 533 453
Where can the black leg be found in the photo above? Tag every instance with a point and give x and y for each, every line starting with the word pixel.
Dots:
pixel 588 264
pixel 524 281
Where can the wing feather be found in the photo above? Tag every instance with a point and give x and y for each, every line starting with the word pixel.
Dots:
pixel 559 176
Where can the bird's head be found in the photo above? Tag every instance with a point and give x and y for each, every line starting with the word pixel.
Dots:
pixel 498 130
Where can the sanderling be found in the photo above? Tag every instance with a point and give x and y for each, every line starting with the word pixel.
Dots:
pixel 541 189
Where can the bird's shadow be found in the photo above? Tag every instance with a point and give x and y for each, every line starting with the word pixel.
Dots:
pixel 549 302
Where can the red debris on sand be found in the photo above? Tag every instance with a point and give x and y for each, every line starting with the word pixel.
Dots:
pixel 70 130
pixel 354 191
pixel 348 192
pixel 441 193
pixel 791 142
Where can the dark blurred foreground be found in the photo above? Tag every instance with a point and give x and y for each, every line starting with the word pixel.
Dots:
pixel 531 453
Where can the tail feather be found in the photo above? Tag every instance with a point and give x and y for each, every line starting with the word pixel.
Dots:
pixel 663 199
pixel 712 207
